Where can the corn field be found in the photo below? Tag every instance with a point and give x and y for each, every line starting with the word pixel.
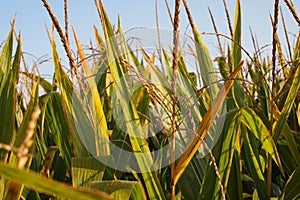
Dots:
pixel 120 122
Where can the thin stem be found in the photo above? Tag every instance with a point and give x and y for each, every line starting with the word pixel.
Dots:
pixel 228 18
pixel 159 49
pixel 293 10
pixel 169 11
pixel 187 10
pixel 279 50
pixel 62 36
pixel 216 31
pixel 66 7
pixel 274 43
pixel 175 65
pixel 286 35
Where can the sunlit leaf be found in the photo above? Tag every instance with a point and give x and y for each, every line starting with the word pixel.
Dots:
pixel 49 186
pixel 256 126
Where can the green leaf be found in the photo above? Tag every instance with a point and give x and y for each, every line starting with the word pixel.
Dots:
pixel 192 178
pixel 52 152
pixel 297 51
pixel 236 56
pixel 235 185
pixel 85 170
pixel 292 187
pixel 27 117
pixel 237 36
pixel 138 192
pixel 289 103
pixel 57 125
pixel 228 162
pixel 291 143
pixel 49 186
pixel 205 64
pixel 5 60
pixel 223 153
pixel 254 167
pixel 67 90
pixel 250 119
pixel 204 125
pixel 288 162
pixel 22 134
pixel 8 85
pixel 130 115
pixel 43 82
pixel 121 190
pixel 96 113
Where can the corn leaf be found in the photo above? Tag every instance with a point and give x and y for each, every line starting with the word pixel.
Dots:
pixel 133 124
pixel 20 136
pixel 297 51
pixel 117 188
pixel 57 125
pixel 289 103
pixel 8 83
pixel 48 186
pixel 192 178
pixel 236 56
pixel 260 131
pixel 292 187
pixel 204 125
pixel 229 154
pixel 291 143
pixel 205 64
pixel 223 153
pixel 101 137
pixel 254 167
pixel 235 185
pixel 237 36
pixel 85 170
pixel 68 98
pixel 138 192
pixel 43 82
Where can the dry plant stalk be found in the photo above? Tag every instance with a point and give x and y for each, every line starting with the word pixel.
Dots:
pixel 274 44
pixel 255 46
pixel 62 36
pixel 8 147
pixel 176 34
pixel 159 48
pixel 188 12
pixel 23 153
pixel 174 100
pixel 279 50
pixel 204 125
pixel 213 161
pixel 66 8
pixel 274 41
pixel 293 11
pixel 169 11
pixel 216 31
pixel 191 21
pixel 28 140
pixel 65 40
pixel 286 35
pixel 228 18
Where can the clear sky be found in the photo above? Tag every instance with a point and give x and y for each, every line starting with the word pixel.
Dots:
pixel 32 18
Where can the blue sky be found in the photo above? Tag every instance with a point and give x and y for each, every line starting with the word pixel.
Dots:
pixel 32 18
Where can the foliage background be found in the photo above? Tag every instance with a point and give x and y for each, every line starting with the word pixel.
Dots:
pixel 256 157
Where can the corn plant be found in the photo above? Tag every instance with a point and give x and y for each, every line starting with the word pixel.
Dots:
pixel 122 124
